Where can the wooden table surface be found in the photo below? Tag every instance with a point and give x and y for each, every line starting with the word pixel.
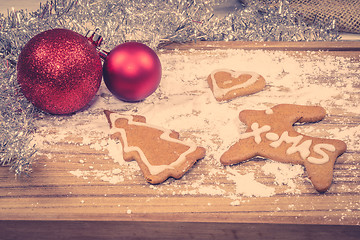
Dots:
pixel 53 201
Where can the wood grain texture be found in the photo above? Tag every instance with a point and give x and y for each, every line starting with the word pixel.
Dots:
pixel 171 230
pixel 53 198
pixel 343 46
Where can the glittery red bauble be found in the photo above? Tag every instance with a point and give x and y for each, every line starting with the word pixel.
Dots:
pixel 132 71
pixel 59 71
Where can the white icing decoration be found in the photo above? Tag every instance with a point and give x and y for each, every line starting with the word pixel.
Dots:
pixel 256 131
pixel 272 136
pixel 318 149
pixel 269 111
pixel 154 169
pixel 220 92
pixel 302 148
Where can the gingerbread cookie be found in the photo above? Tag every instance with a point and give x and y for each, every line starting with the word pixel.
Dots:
pixel 270 134
pixel 227 84
pixel 159 152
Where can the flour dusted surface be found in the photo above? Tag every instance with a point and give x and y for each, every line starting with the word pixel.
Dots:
pixel 183 102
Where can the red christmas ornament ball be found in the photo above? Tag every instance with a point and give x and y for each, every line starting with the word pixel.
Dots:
pixel 132 71
pixel 59 71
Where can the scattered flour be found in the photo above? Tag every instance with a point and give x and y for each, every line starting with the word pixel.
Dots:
pixel 284 174
pixel 184 102
pixel 107 176
pixel 247 186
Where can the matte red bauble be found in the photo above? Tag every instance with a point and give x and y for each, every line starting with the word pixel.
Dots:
pixel 59 71
pixel 132 71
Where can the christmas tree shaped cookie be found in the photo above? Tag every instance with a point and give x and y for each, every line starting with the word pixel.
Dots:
pixel 270 134
pixel 159 152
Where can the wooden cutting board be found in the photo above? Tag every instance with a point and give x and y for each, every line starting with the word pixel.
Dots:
pixel 54 201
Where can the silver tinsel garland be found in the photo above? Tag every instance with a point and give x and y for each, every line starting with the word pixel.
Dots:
pixel 151 22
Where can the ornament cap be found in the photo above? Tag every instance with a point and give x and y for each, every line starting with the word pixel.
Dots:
pixel 103 53
pixel 95 38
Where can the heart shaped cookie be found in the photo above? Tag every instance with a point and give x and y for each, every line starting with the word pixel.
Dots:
pixel 227 84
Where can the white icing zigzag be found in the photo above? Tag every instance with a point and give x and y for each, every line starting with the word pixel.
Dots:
pixel 153 169
pixel 220 92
